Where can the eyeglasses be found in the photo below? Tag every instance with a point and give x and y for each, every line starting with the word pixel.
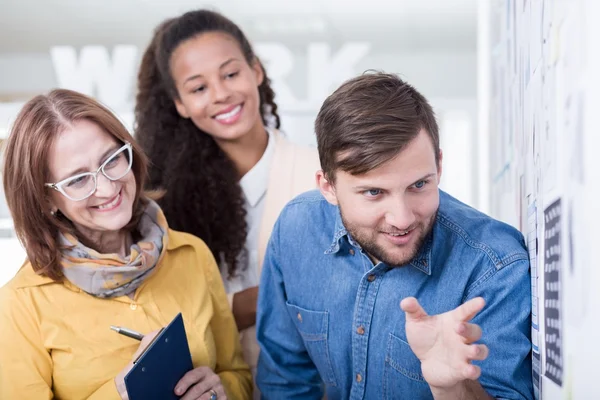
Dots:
pixel 82 186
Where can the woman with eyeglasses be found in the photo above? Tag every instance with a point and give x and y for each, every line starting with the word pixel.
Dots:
pixel 207 119
pixel 100 253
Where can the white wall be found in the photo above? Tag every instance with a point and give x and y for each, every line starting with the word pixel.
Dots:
pixel 545 93
pixel 446 78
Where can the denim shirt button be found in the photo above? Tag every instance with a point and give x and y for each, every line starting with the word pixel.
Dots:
pixel 351 252
pixel 371 278
pixel 360 330
pixel 299 316
pixel 358 378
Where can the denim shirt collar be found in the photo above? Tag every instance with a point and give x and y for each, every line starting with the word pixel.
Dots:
pixel 422 261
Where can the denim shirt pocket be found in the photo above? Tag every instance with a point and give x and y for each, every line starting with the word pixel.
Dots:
pixel 313 326
pixel 402 378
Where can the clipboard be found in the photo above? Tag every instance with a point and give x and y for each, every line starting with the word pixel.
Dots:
pixel 164 362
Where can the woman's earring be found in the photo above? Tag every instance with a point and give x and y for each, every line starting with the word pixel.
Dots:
pixel 53 213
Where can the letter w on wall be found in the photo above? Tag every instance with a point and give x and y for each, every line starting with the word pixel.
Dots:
pixel 95 73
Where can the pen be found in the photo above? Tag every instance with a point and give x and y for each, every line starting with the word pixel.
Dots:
pixel 127 332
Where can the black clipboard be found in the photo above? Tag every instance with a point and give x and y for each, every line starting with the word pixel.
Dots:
pixel 164 362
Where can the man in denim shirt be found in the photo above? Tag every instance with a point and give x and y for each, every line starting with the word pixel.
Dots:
pixel 382 286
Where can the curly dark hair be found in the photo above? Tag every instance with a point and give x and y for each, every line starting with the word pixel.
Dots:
pixel 202 195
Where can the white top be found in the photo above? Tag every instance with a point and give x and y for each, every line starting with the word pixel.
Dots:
pixel 254 186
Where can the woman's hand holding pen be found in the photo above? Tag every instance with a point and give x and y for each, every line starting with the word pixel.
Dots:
pixel 198 384
pixel 120 378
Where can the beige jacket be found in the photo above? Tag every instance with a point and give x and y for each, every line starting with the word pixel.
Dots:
pixel 293 170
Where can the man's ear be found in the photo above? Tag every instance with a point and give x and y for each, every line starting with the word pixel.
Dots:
pixel 439 167
pixel 326 187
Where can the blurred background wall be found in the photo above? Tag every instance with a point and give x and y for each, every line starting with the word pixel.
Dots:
pixel 308 47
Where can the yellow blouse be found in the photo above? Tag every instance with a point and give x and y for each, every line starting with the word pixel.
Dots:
pixel 56 341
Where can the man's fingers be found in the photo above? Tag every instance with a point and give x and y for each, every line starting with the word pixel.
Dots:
pixel 412 308
pixel 471 372
pixel 470 332
pixel 478 352
pixel 468 310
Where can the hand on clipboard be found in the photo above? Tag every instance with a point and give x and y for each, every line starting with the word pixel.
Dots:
pixel 162 367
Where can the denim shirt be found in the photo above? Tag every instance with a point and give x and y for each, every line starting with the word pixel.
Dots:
pixel 330 319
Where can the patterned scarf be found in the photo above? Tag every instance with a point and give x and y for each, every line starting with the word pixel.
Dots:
pixel 110 275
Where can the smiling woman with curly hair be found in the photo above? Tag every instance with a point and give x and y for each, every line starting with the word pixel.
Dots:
pixel 206 117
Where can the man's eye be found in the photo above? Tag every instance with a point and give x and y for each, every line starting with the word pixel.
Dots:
pixel 421 184
pixel 373 192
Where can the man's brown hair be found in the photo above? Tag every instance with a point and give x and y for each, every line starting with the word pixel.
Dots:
pixel 32 135
pixel 369 120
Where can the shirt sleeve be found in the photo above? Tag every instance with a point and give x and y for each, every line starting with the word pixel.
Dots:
pixel 506 325
pixel 25 365
pixel 234 372
pixel 285 370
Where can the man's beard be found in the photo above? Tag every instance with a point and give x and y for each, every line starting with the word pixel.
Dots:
pixel 368 242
